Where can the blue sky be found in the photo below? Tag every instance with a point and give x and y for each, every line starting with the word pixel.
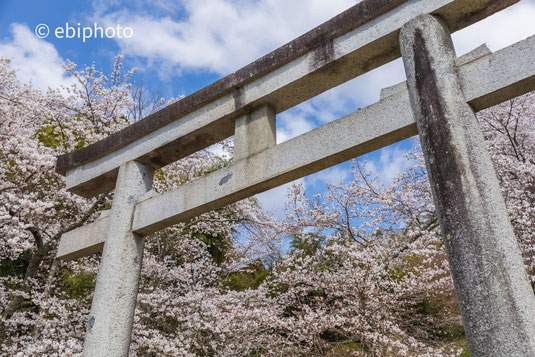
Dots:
pixel 182 46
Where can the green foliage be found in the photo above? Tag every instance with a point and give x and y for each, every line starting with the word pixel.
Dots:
pixel 217 247
pixel 159 175
pixel 345 349
pixel 455 334
pixel 80 143
pixel 462 342
pixel 275 287
pixel 27 305
pixel 396 274
pixel 49 137
pixel 428 307
pixel 248 278
pixel 333 335
pixel 10 169
pixel 309 243
pixel 105 207
pixel 76 284
pixel 15 267
pixel 258 353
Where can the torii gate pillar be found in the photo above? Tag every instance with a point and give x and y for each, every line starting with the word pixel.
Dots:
pixel 496 299
pixel 109 328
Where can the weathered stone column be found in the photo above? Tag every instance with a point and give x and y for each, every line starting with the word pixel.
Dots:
pixel 255 132
pixel 109 328
pixel 496 299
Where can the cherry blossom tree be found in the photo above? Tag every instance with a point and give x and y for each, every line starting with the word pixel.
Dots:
pixel 39 293
pixel 35 209
pixel 510 131
pixel 358 270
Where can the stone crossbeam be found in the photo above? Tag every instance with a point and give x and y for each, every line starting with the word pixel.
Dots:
pixel 486 79
pixel 360 39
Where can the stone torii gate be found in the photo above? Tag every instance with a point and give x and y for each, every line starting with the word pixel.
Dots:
pixel 438 102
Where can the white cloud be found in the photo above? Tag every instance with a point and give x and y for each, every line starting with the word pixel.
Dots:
pixel 390 163
pixel 219 35
pixel 35 60
pixel 222 35
pixel 291 124
pixel 275 199
pixel 333 175
pixel 499 30
pixel 338 101
pixel 348 97
pixel 217 149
